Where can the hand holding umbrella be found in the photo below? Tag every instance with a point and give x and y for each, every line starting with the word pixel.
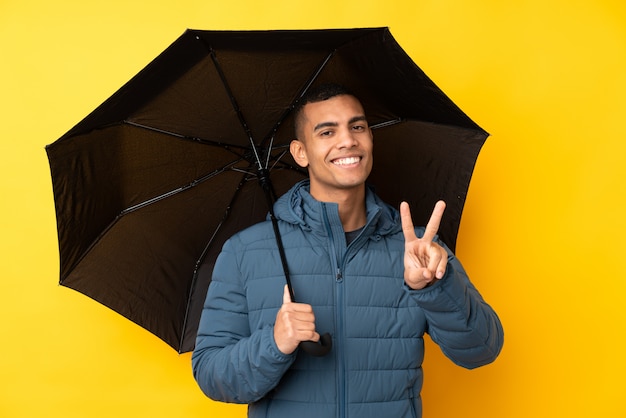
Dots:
pixel 424 259
pixel 295 323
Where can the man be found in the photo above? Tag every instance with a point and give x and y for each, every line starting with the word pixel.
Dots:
pixel 360 271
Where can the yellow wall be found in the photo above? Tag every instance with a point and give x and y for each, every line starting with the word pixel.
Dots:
pixel 542 234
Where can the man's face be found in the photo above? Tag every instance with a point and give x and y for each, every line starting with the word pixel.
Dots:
pixel 336 146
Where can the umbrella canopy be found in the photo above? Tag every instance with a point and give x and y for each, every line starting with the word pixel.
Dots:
pixel 149 186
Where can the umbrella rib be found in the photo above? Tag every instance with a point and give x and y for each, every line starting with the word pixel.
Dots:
pixel 155 200
pixel 200 260
pixel 301 93
pixel 386 123
pixel 277 160
pixel 186 137
pixel 180 189
pixel 241 170
pixel 306 87
pixel 233 100
pixel 269 153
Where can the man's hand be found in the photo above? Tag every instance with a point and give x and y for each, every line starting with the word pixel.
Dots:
pixel 424 260
pixel 295 322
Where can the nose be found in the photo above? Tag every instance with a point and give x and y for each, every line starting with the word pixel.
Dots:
pixel 347 139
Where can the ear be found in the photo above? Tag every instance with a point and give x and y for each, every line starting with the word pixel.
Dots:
pixel 298 152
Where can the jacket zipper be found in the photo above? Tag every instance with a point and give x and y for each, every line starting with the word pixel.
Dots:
pixel 339 319
pixel 341 343
pixel 338 261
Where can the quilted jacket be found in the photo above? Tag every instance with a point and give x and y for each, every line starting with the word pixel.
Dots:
pixel 358 295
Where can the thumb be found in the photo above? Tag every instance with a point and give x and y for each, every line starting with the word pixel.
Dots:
pixel 286 295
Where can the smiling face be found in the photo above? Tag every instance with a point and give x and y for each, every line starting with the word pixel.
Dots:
pixel 335 143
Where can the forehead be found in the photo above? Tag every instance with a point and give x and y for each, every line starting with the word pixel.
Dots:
pixel 336 109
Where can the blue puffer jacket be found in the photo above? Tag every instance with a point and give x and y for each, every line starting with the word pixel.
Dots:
pixel 358 295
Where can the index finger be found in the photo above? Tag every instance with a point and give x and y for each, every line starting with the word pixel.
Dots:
pixel 407 223
pixel 435 219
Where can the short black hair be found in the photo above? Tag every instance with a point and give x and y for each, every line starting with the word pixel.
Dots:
pixel 313 95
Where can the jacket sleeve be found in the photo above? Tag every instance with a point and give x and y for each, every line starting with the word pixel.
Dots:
pixel 231 363
pixel 465 327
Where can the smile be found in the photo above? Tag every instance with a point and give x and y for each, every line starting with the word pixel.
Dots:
pixel 347 161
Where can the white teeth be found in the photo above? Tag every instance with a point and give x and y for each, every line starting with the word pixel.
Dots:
pixel 347 161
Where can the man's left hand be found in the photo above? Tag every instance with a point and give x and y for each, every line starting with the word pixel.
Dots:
pixel 424 260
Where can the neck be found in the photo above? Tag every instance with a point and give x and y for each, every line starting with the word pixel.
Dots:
pixel 353 215
pixel 351 204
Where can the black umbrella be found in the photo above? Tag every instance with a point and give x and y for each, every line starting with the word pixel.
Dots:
pixel 151 183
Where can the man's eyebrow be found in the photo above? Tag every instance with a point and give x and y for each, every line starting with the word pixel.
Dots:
pixel 358 119
pixel 325 125
pixel 335 124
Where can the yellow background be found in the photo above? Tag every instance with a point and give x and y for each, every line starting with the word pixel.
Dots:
pixel 542 234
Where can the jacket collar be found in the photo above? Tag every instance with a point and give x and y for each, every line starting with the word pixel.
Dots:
pixel 298 207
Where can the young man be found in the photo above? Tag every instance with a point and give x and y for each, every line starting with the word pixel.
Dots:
pixel 360 272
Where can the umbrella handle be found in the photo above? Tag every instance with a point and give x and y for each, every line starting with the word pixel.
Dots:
pixel 318 349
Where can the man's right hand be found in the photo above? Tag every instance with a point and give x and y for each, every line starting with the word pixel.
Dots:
pixel 295 322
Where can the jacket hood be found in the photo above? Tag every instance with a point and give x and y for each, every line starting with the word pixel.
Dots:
pixel 298 207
